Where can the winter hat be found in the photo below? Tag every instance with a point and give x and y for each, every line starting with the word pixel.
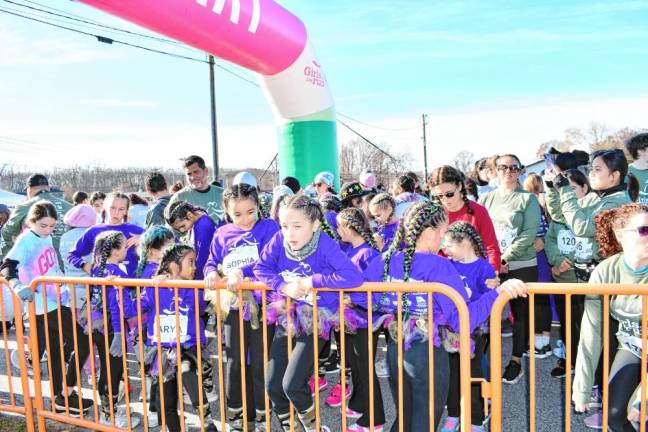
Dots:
pixel 368 179
pixel 325 177
pixel 244 177
pixel 81 216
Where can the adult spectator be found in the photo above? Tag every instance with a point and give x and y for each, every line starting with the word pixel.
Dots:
pixel 199 192
pixel 156 186
pixel 638 148
pixel 293 184
pixel 38 188
pixel 324 184
pixel 404 192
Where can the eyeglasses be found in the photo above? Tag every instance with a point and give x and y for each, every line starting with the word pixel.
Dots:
pixel 446 194
pixel 642 231
pixel 511 168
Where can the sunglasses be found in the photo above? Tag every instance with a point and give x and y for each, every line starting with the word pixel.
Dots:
pixel 511 168
pixel 447 195
pixel 642 231
pixel 318 184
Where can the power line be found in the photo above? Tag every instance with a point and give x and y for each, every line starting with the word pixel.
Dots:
pixel 367 140
pixel 268 168
pixel 374 126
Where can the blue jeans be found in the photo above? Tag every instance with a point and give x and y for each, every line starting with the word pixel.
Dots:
pixel 416 384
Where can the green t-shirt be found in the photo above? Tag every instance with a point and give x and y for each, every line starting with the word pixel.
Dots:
pixel 210 199
pixel 642 176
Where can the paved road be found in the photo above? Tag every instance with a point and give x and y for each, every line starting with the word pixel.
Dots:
pixel 549 397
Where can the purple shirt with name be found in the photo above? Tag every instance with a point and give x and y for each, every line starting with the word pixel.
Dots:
pixel 85 245
pixel 328 266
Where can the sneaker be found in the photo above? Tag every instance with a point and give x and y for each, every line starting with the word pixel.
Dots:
pixel 540 353
pixel 507 329
pixel 14 358
pixel 121 421
pixel 559 350
pixel 560 370
pixel 73 404
pixel 323 384
pixel 357 428
pixel 595 421
pixel 153 419
pixel 334 398
pixel 513 373
pixel 451 424
pixel 596 400
pixel 353 414
pixel 382 370
pixel 331 365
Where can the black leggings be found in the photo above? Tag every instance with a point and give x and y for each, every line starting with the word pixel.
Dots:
pixel 476 371
pixel 543 313
pixel 358 355
pixel 520 310
pixel 625 375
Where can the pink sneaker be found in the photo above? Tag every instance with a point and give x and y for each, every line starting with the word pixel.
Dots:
pixel 334 398
pixel 353 414
pixel 357 428
pixel 595 421
pixel 323 384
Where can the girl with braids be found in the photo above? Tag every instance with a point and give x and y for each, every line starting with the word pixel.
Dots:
pixel 116 214
pixel 354 230
pixel 422 230
pixel 383 210
pixel 178 262
pixel 297 259
pixel 234 251
pixel 447 186
pixel 467 254
pixel 197 229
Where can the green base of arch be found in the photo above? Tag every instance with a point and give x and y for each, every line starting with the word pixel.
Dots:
pixel 307 148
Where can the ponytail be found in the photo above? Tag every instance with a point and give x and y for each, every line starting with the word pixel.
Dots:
pixel 633 187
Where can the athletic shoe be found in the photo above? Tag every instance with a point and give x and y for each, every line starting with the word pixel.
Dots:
pixel 73 404
pixel 353 414
pixel 451 424
pixel 334 398
pixel 560 370
pixel 382 370
pixel 596 400
pixel 357 428
pixel 323 384
pixel 595 421
pixel 507 328
pixel 121 421
pixel 14 359
pixel 559 350
pixel 513 373
pixel 331 365
pixel 540 353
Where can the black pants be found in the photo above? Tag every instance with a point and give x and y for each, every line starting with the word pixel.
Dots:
pixel 358 356
pixel 577 311
pixel 542 314
pixel 625 376
pixel 54 355
pixel 170 391
pixel 254 369
pixel 520 310
pixel 116 368
pixel 287 380
pixel 476 371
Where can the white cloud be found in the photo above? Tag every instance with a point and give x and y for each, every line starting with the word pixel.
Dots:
pixel 118 103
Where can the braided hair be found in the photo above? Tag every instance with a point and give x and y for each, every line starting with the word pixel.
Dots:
pixel 460 231
pixel 105 243
pixel 381 201
pixel 173 254
pixel 313 211
pixel 153 238
pixel 241 191
pixel 355 219
pixel 421 215
pixel 179 210
pixel 449 174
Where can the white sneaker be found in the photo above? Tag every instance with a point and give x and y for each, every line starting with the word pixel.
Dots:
pixel 152 419
pixel 121 421
pixel 382 371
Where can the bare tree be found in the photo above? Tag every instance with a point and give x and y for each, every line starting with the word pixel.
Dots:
pixel 358 155
pixel 464 161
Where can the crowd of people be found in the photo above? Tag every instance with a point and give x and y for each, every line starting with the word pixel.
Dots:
pixel 583 220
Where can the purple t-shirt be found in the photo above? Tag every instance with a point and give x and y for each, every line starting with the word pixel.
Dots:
pixel 361 256
pixel 85 245
pixel 331 218
pixel 474 275
pixel 113 303
pixel 200 237
pixel 387 233
pixel 328 266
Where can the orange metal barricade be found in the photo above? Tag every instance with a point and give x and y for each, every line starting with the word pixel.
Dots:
pixel 13 406
pixel 494 389
pixel 133 374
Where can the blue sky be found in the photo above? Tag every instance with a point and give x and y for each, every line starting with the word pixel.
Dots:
pixel 494 76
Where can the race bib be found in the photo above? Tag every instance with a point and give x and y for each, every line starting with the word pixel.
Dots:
pixel 168 328
pixel 631 343
pixel 239 257
pixel 566 242
pixel 584 249
pixel 506 234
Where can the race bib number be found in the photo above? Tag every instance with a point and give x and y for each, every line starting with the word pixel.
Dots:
pixel 566 242
pixel 631 343
pixel 169 330
pixel 240 256
pixel 584 249
pixel 506 235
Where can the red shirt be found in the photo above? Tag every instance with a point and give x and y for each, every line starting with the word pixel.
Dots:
pixel 480 219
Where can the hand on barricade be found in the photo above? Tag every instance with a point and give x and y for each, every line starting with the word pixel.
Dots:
pixel 234 281
pixel 492 283
pixel 211 279
pixel 116 346
pixel 514 288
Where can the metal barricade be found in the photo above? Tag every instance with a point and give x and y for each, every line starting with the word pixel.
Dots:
pixel 494 389
pixel 124 287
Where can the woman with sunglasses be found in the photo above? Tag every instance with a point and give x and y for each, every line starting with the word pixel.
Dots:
pixel 516 218
pixel 446 185
pixel 622 235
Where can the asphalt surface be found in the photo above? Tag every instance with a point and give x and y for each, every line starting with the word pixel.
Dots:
pixel 549 397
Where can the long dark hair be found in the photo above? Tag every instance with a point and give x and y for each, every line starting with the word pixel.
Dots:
pixel 449 174
pixel 173 254
pixel 615 160
pixel 179 210
pixel 41 209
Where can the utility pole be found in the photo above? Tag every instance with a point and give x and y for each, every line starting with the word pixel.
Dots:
pixel 212 96
pixel 424 118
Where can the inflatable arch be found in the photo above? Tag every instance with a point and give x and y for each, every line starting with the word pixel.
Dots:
pixel 265 38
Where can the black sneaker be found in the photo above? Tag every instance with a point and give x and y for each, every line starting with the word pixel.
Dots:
pixel 540 353
pixel 331 365
pixel 73 404
pixel 512 373
pixel 560 370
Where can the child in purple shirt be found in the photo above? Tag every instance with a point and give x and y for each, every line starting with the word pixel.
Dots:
pixel 297 259
pixel 382 208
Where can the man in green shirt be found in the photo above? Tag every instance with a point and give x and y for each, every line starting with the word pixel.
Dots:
pixel 38 188
pixel 198 191
pixel 638 147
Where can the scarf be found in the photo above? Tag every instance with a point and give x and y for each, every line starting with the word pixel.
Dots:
pixel 303 253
